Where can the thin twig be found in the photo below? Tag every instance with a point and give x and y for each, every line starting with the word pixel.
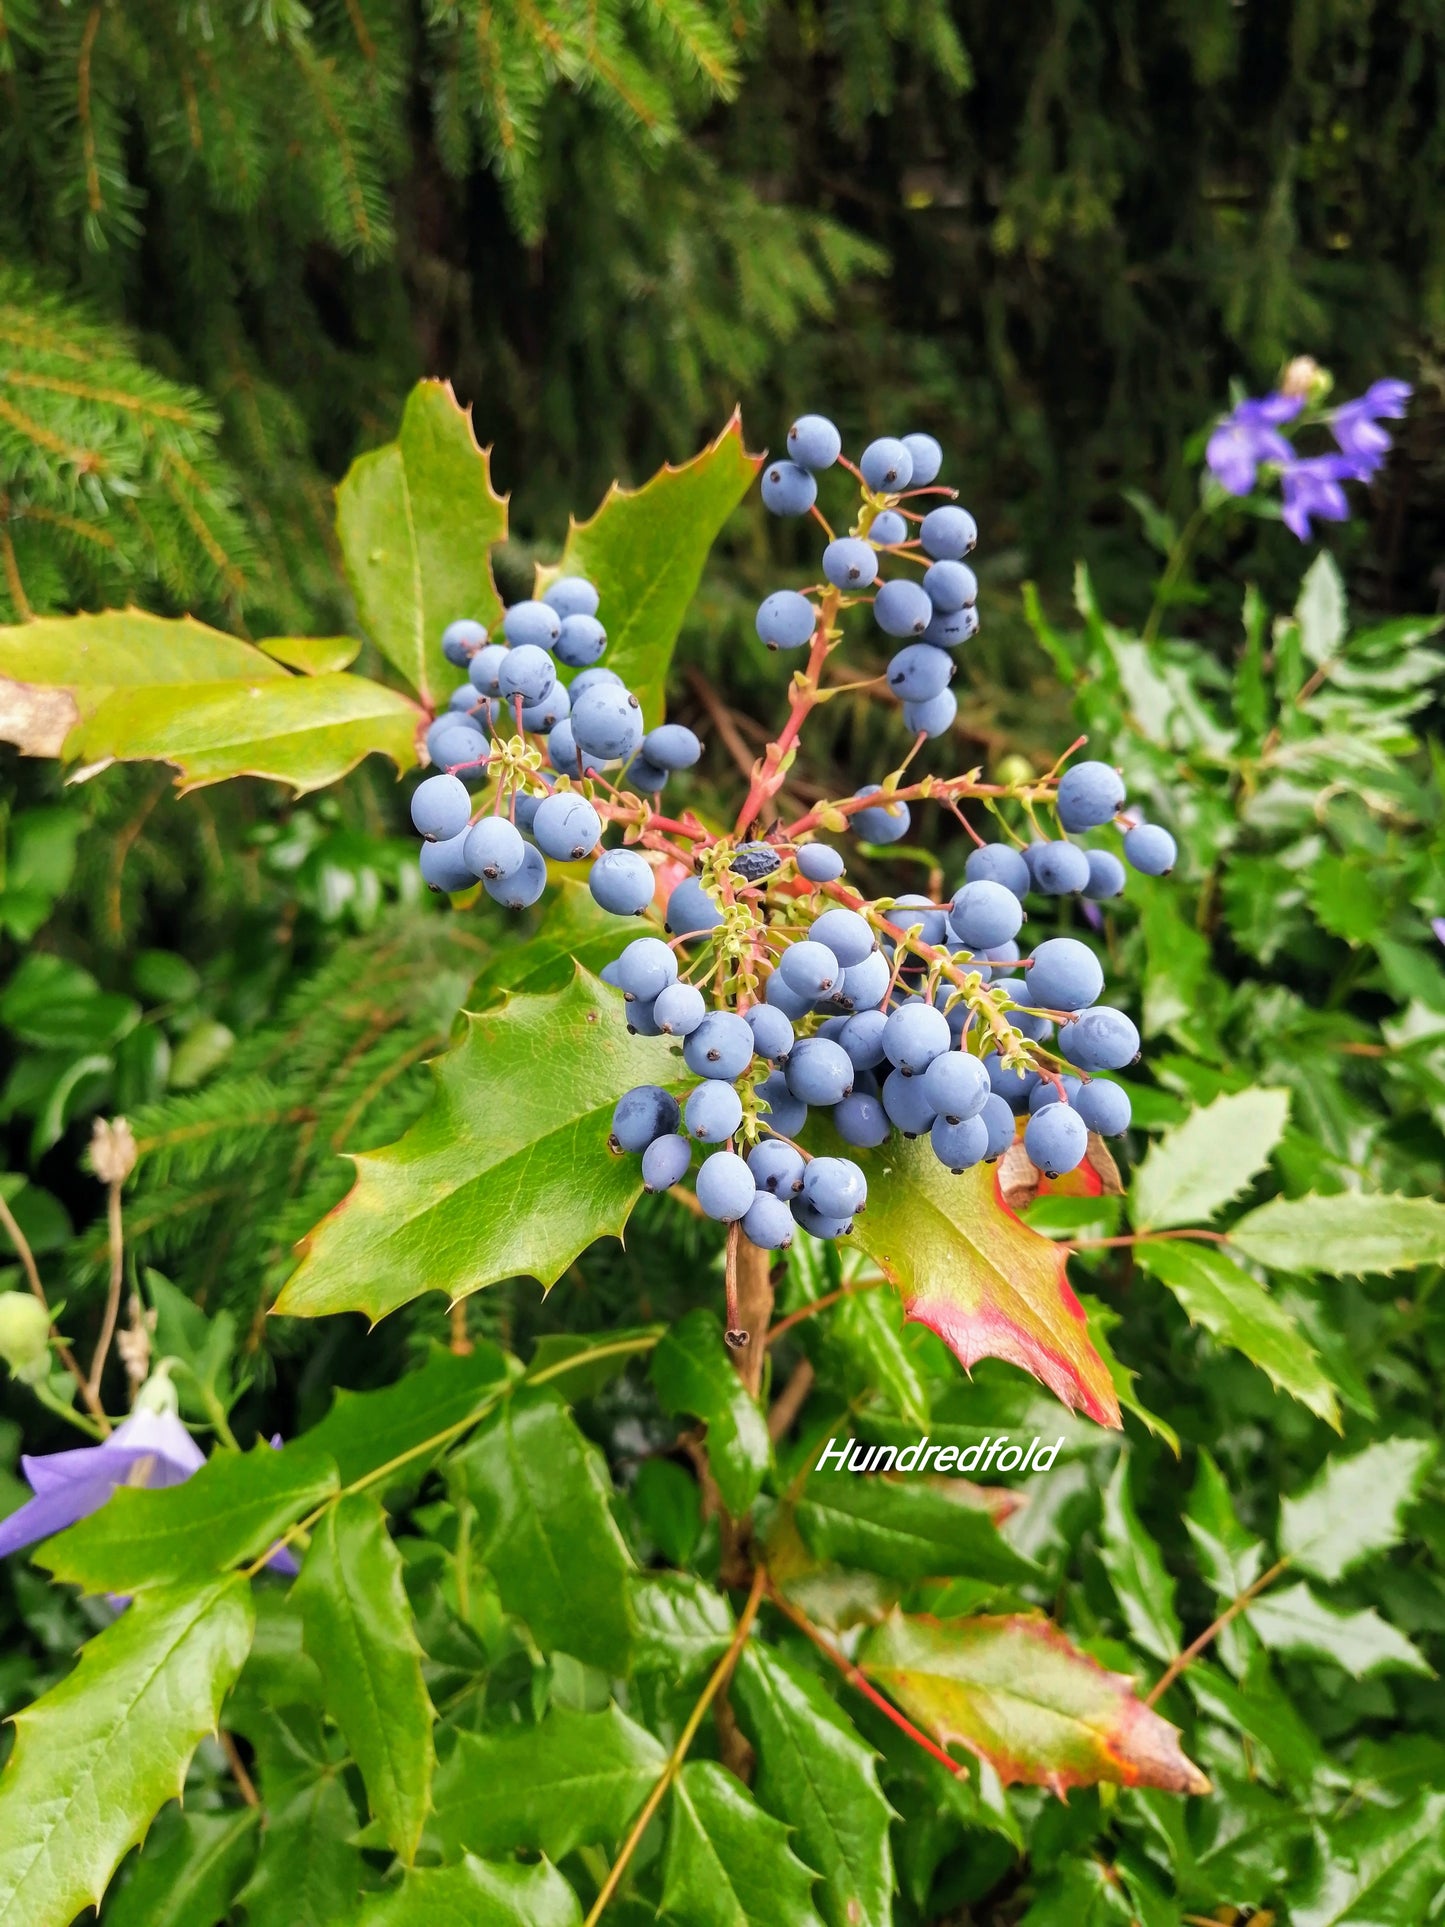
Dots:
pixel 115 1238
pixel 1196 1647
pixel 1143 1238
pixel 64 1353
pixel 822 1304
pixel 721 1673
pixel 245 1785
pixel 791 1400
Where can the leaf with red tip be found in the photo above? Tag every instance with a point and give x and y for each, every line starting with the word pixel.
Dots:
pixel 1013 1690
pixel 972 1271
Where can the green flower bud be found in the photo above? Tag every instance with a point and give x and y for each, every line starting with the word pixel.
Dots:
pixel 24 1334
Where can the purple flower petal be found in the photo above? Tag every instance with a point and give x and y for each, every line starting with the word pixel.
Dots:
pixel 1388 397
pixel 53 1511
pixel 1247 437
pixel 1311 488
pixel 1437 924
pixel 148 1448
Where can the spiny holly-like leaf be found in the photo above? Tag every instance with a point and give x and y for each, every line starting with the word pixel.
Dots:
pixel 1013 1690
pixel 816 1774
pixel 1383 1866
pixel 1211 1157
pixel 1237 1310
pixel 1297 1621
pixel 418 520
pixel 1230 1558
pixel 236 1506
pixel 972 1271
pixel 308 1873
pixel 1352 1510
pixel 692 1373
pixel 683 1624
pixel 359 1632
pixel 131 687
pixel 1354 1232
pixel 909 1528
pixel 645 549
pixel 729 1864
pixel 1136 1570
pixel 507 1171
pixel 476 1893
pixel 575 1780
pixel 365 1431
pixel 194 1877
pixel 98 1755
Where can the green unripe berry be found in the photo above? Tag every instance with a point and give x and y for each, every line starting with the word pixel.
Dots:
pixel 24 1335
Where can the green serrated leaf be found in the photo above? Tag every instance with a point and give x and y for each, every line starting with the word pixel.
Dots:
pixel 1101 1320
pixel 1320 611
pixel 237 1505
pixel 644 550
pixel 1354 1232
pixel 358 1630
pixel 525 1100
pixel 476 1893
pixel 1352 1510
pixel 192 1880
pixel 417 521
pixel 1236 1310
pixel 1383 1868
pixel 575 1780
pixel 728 1864
pixel 545 1529
pixel 692 1373
pixel 913 1528
pixel 1230 1558
pixel 1195 1169
pixel 308 1874
pixel 1136 1570
pixel 97 1756
pixel 365 1431
pixel 683 1624
pixel 817 1774
pixel 1361 1643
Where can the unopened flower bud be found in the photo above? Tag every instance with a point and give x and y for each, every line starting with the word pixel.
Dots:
pixel 112 1150
pixel 1014 769
pixel 24 1335
pixel 1304 377
pixel 158 1395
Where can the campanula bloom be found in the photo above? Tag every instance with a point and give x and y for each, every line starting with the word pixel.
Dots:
pixel 148 1448
pixel 1249 436
pixel 1312 487
pixel 1357 429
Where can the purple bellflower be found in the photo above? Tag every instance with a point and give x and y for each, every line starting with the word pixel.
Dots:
pixel 148 1448
pixel 1363 443
pixel 1249 436
pixel 1312 487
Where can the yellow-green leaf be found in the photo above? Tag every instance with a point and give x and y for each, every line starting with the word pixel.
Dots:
pixel 476 1893
pixel 312 655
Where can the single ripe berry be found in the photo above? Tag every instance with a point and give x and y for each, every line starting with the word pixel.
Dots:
pixel 788 488
pixel 445 868
pixel 622 881
pixel 927 459
pixel 527 671
pixel 713 1112
pixel 592 679
pixel 494 849
pixel 465 698
pixel 567 827
pixel 809 968
pixel 456 743
pixel 646 967
pixel 534 624
pixel 786 619
pixel 999 1119
pixel 985 913
pixel 642 1114
pixel 1105 1108
pixel 691 912
pixel 914 1035
pixel 461 641
pixel 901 608
pixel 814 442
pixel 956 1085
pixel 1100 1039
pixel 950 586
pixel 851 563
pixel 881 822
pixel 607 722
pixel 835 1186
pixel 1060 868
pixel 932 718
pixel 948 534
pixel 485 667
pixel 998 863
pixel 772 1032
pixel 777 995
pixel 861 1120
pixel 581 642
pixel 948 629
pixel 920 672
pixel 721 1047
pixel 1150 850
pixel 525 885
pixel 847 934
pixel 640 1020
pixel 782 1112
pixel 1056 1139
pixel 1106 876
pixel 679 1010
pixel 819 1071
pixel 665 1162
pixel 526 803
pixel 886 465
pixel 818 862
pixel 959 1144
pixel 440 808
pixel 1089 794
pixel 671 746
pixel 768 1223
pixel 862 1038
pixel 889 530
pixel 725 1186
pixel 906 1103
pixel 572 595
pixel 776 1167
pixel 1064 974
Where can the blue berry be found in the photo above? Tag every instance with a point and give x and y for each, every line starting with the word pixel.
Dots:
pixel 950 586
pixel 444 867
pixel 622 881
pixel 985 913
pixel 850 563
pixel 835 1186
pixel 1056 1139
pixel 1106 876
pixel 526 803
pixel 454 739
pixel 1060 868
pixel 960 1145
pixel 901 608
pixel 906 1102
pixel 998 863
pixel 813 1221
pixel 440 808
pixel 1105 1108
pixel 1064 974
pixel 847 934
pixel 643 776
pixel 786 619
pixel 818 862
pixel 665 1162
pixel 864 985
pixel 948 533
pixel 920 672
pixel 640 1020
pixel 1101 1039
pixel 1047 1092
pixel 768 1223
pixel 887 465
pixel 533 625
pixel 465 698
pixel 461 641
pixel 567 827
pixel 932 718
pixel 788 489
pixel 495 849
pixel 861 1120
pixel 679 1010
pixel 607 722
pixel 642 1114
pixel 713 1112
pixel 889 530
pixel 813 442
pixel 862 1038
pixel 772 1032
pixel 922 914
pixel 646 967
pixel 593 679
pixel 1089 794
pixel 562 749
pixel 572 595
pixel 544 716
pixel 999 1120
pixel 1150 850
pixel 525 885
pixel 778 994
pixel 776 1167
pixel 881 822
pixel 948 629
pixel 819 1071
pixel 956 1085
pixel 671 746
pixel 926 457
pixel 485 667
pixel 581 642
pixel 721 1047
pixel 691 912
pixel 527 671
pixel 782 1112
pixel 725 1186
pixel 914 1035
pixel 1014 1087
